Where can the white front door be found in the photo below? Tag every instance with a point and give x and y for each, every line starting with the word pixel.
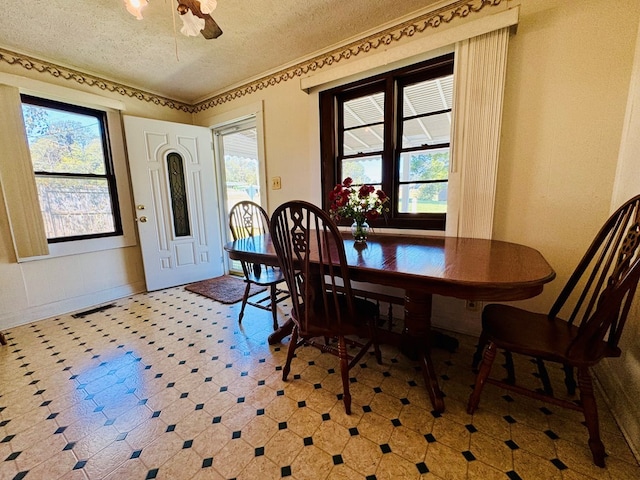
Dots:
pixel 174 189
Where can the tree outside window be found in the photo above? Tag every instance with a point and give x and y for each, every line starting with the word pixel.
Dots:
pixel 72 168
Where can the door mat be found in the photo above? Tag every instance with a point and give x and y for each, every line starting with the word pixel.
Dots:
pixel 226 289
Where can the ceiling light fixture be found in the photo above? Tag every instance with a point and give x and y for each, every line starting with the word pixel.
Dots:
pixel 195 15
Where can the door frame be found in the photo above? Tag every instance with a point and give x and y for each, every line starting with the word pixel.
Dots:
pixel 224 120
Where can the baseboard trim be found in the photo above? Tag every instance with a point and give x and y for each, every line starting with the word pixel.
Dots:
pixel 68 305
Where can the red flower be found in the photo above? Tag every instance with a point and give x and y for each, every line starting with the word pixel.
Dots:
pixel 349 202
pixel 372 215
pixel 342 198
pixel 365 191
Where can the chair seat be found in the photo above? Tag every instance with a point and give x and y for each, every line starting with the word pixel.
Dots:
pixel 366 314
pixel 537 335
pixel 248 220
pixel 313 259
pixel 596 299
pixel 265 276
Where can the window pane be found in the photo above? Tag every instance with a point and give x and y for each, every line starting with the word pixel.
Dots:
pixel 364 140
pixel 430 130
pixel 429 96
pixel 363 170
pixel 400 122
pixel 424 165
pixel 64 142
pixel 423 198
pixel 75 206
pixel 364 110
pixel 242 171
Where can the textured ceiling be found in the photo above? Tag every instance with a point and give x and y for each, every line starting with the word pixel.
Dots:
pixel 100 37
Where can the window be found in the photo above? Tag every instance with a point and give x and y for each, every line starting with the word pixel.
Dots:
pixel 73 170
pixel 393 131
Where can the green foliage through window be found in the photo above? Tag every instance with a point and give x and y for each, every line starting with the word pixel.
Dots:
pixel 73 169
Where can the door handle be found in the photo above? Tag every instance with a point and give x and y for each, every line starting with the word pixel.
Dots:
pixel 142 219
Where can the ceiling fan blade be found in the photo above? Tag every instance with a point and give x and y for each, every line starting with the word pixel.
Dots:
pixel 211 29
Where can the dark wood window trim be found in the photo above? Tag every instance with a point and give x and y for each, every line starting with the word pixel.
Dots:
pixel 331 118
pixel 109 174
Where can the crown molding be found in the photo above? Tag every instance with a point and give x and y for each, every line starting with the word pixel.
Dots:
pixel 82 78
pixel 434 19
pixel 445 15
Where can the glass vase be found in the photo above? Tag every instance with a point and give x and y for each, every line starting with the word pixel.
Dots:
pixel 360 230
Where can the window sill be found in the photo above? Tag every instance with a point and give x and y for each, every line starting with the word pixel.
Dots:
pixel 84 246
pixel 406 232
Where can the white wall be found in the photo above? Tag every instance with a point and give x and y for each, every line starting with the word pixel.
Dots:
pixel 568 76
pixel 568 80
pixel 42 288
pixel 292 147
pixel 620 378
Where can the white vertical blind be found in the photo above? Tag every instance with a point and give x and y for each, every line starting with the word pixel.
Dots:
pixel 17 179
pixel 480 67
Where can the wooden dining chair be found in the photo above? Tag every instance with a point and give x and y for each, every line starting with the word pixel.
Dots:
pixel 312 257
pixel 248 219
pixel 583 326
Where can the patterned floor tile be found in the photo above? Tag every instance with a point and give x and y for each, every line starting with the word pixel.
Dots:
pixel 167 385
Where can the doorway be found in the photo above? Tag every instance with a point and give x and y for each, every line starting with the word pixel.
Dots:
pixel 241 166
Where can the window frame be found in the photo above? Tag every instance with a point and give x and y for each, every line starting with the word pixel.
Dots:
pixel 331 148
pixel 109 174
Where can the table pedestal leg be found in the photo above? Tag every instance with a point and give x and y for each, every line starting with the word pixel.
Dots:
pixel 417 318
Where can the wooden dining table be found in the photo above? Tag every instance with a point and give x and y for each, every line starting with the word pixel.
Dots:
pixel 466 268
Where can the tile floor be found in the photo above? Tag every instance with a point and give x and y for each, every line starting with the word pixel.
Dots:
pixel 166 385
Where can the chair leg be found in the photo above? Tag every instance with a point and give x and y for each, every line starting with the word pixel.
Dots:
pixel 376 350
pixel 274 305
pixel 477 357
pixel 3 339
pixel 485 369
pixel 373 334
pixel 245 297
pixel 292 348
pixel 591 415
pixel 569 379
pixel 508 365
pixel 544 377
pixel 344 372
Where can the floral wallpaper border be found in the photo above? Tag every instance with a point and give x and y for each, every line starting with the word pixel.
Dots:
pixel 431 20
pixel 445 15
pixel 31 63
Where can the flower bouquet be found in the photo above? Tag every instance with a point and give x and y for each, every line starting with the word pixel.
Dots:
pixel 360 204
